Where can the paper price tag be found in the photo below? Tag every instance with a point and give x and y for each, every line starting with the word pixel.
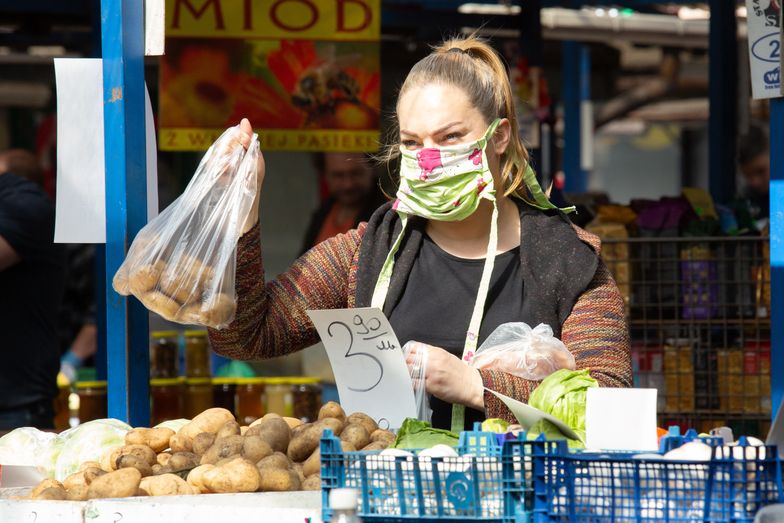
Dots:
pixel 370 370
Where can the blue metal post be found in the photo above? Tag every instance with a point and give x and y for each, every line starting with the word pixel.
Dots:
pixel 723 91
pixel 575 80
pixel 122 30
pixel 777 252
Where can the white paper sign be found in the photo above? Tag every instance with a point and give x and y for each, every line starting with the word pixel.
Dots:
pixel 764 36
pixel 154 27
pixel 81 208
pixel 527 415
pixel 621 419
pixel 370 370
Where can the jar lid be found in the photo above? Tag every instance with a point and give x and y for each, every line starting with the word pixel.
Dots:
pixel 250 381
pixel 91 384
pixel 304 381
pixel 164 334
pixel 198 381
pixel 195 334
pixel 165 382
pixel 228 380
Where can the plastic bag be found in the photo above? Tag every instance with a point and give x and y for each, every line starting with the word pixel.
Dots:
pixel 181 265
pixel 416 357
pixel 516 348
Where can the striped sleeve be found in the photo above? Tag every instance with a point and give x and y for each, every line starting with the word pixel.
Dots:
pixel 595 332
pixel 271 318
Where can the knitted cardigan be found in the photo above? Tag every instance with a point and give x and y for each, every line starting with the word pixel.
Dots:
pixel 271 320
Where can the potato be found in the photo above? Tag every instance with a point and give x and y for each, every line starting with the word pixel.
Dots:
pixel 181 443
pixel 364 420
pixel 143 452
pixel 211 420
pixel 347 446
pixel 375 445
pixel 118 484
pixel 166 485
pixel 176 286
pixel 156 439
pixel 333 424
pixel 159 469
pixel 164 457
pixel 300 429
pixel 237 476
pixel 45 484
pixel 381 434
pixel 312 483
pixel 293 422
pixel 228 459
pixel 160 303
pixel 332 410
pixel 77 493
pixel 217 309
pixel 297 467
pixel 203 442
pixel 196 478
pixel 306 442
pixel 145 278
pixel 230 428
pixel 222 448
pixel 129 460
pixel 183 461
pixel 254 449
pixel 277 460
pixel 312 465
pixel 243 429
pixel 51 493
pixel 356 434
pixel 109 458
pixel 76 480
pixel 89 464
pixel 274 431
pixel 278 480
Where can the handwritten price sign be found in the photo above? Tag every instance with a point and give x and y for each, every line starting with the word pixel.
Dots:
pixel 368 362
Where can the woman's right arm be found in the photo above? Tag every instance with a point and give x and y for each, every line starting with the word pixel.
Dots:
pixel 271 319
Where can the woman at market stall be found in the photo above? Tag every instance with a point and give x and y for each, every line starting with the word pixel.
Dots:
pixel 469 243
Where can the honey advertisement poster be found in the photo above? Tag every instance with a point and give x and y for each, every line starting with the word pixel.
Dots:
pixel 306 73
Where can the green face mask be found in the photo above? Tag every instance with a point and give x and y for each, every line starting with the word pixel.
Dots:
pixel 448 184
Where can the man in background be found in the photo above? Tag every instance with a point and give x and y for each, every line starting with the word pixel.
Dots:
pixel 754 163
pixel 32 276
pixel 353 196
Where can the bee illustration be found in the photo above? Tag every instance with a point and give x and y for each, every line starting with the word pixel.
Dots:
pixel 321 87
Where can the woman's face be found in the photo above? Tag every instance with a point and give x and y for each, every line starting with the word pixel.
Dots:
pixel 439 115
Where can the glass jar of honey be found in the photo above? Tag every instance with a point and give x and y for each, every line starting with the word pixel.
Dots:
pixel 198 396
pixel 166 399
pixel 92 400
pixel 250 399
pixel 164 355
pixel 61 412
pixel 306 398
pixel 197 354
pixel 224 391
pixel 279 397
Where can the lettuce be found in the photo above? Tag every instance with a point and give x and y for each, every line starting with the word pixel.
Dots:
pixel 562 394
pixel 415 434
pixel 87 442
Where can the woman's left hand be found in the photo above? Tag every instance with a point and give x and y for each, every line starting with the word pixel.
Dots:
pixel 449 378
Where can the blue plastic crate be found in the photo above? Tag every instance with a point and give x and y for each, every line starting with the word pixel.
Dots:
pixel 582 487
pixel 486 483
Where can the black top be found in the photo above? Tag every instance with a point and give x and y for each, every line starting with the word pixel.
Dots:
pixel 30 294
pixel 438 300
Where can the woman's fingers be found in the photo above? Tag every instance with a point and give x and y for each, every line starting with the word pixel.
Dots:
pixel 246 132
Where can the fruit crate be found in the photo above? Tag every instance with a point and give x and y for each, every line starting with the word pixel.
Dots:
pixel 730 484
pixel 485 483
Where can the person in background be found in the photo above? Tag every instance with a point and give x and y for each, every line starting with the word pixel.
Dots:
pixel 32 277
pixel 78 334
pixel 353 196
pixel 754 163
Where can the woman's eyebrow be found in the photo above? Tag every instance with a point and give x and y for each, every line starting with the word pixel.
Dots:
pixel 437 131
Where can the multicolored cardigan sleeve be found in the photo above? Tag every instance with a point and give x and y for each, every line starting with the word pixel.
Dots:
pixel 271 319
pixel 595 332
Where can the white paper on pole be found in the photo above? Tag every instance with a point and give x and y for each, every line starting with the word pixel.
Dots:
pixel 154 27
pixel 81 196
pixel 370 369
pixel 764 36
pixel 621 419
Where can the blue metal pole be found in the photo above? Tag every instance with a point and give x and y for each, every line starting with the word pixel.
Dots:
pixel 777 252
pixel 122 30
pixel 723 92
pixel 575 80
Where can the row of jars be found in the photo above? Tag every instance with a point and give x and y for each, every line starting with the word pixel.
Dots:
pixel 165 354
pixel 248 398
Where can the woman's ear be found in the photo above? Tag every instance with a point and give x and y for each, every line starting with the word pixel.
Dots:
pixel 502 136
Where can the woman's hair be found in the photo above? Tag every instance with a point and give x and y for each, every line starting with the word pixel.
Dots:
pixel 473 65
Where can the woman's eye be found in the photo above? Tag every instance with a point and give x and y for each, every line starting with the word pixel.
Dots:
pixel 452 137
pixel 409 144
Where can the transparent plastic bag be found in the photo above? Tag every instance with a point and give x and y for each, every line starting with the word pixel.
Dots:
pixel 182 264
pixel 416 358
pixel 528 353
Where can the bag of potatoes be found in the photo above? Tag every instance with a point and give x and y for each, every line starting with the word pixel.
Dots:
pixel 181 265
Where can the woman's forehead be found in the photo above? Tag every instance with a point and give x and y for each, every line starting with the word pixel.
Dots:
pixel 433 106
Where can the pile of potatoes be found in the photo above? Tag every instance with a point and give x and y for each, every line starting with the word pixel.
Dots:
pixel 214 454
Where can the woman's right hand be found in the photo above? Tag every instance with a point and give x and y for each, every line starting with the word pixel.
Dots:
pixel 246 134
